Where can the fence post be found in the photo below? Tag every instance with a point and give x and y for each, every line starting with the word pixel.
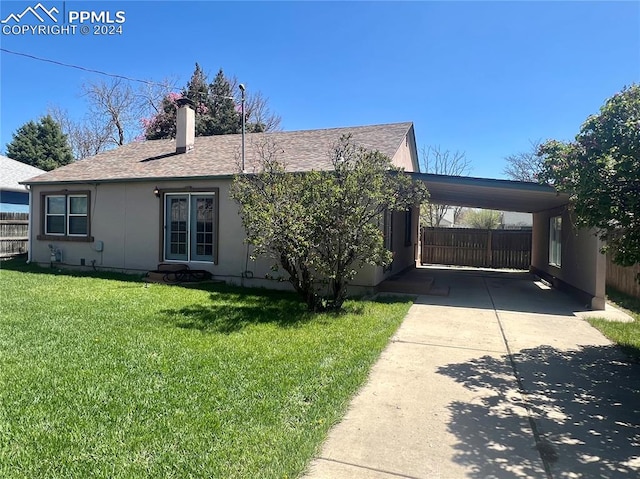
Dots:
pixel 489 250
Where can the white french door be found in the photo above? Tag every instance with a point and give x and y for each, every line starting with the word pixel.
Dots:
pixel 190 227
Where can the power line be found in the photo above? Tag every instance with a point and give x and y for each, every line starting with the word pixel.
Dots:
pixel 90 70
pixel 77 67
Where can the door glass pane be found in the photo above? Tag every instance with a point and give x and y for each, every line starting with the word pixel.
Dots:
pixel 177 213
pixel 555 241
pixel 202 227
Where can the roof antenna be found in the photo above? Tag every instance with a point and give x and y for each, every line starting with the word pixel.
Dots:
pixel 241 86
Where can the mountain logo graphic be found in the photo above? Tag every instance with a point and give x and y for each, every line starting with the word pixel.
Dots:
pixel 39 11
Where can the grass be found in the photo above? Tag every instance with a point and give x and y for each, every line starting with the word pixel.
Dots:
pixel 626 335
pixel 101 377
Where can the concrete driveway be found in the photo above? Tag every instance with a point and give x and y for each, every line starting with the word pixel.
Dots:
pixel 499 379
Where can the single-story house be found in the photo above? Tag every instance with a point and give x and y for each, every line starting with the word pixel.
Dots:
pixel 166 201
pixel 14 197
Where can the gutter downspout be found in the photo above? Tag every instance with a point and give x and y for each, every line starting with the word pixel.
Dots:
pixel 30 225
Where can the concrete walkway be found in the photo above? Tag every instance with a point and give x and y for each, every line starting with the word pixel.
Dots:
pixel 500 379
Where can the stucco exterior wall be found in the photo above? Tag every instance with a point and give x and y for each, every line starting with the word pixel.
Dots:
pixel 407 156
pixel 126 227
pixel 127 218
pixel 583 267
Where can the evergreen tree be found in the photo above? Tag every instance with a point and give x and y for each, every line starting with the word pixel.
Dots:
pixel 197 90
pixel 40 144
pixel 224 119
pixel 216 111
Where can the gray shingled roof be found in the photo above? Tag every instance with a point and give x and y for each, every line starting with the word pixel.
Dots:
pixel 12 172
pixel 219 155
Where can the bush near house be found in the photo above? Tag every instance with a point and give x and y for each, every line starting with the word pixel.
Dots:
pixel 600 169
pixel 322 227
pixel 103 377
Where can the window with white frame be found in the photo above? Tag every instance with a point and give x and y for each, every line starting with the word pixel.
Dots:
pixel 555 241
pixel 55 214
pixel 65 215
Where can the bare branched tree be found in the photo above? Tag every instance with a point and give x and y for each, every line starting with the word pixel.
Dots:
pixel 150 95
pixel 86 138
pixel 117 104
pixel 256 107
pixel 113 115
pixel 524 166
pixel 259 113
pixel 441 162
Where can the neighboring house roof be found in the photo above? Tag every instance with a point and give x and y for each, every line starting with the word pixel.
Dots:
pixel 12 172
pixel 220 155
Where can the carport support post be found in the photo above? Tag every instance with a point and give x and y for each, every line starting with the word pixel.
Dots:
pixel 489 248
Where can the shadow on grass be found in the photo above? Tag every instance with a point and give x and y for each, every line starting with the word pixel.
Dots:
pixel 584 403
pixel 393 299
pixel 20 265
pixel 231 309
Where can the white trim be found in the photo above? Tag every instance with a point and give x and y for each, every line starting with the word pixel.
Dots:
pixel 76 215
pixel 67 215
pixel 30 226
pixel 165 242
pixel 47 215
pixel 555 241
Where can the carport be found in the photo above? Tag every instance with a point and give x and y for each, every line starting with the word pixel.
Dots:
pixel 565 256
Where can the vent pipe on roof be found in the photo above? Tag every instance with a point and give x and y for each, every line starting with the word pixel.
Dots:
pixel 185 125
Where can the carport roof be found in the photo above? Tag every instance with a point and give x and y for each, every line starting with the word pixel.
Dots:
pixel 505 195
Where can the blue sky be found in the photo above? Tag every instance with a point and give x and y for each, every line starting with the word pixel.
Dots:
pixel 480 77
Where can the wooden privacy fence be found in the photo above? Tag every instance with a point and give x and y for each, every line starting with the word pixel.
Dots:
pixel 623 278
pixel 13 234
pixel 476 247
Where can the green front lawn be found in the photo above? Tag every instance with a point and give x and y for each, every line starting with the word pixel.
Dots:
pixel 102 377
pixel 627 335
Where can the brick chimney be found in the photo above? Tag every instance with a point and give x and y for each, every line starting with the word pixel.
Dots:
pixel 185 125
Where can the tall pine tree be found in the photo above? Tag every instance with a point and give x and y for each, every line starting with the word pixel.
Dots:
pixel 224 118
pixel 197 90
pixel 40 144
pixel 216 111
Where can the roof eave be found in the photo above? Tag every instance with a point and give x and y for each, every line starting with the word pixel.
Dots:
pixel 129 180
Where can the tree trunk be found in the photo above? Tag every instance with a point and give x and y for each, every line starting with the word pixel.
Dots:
pixel 302 283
